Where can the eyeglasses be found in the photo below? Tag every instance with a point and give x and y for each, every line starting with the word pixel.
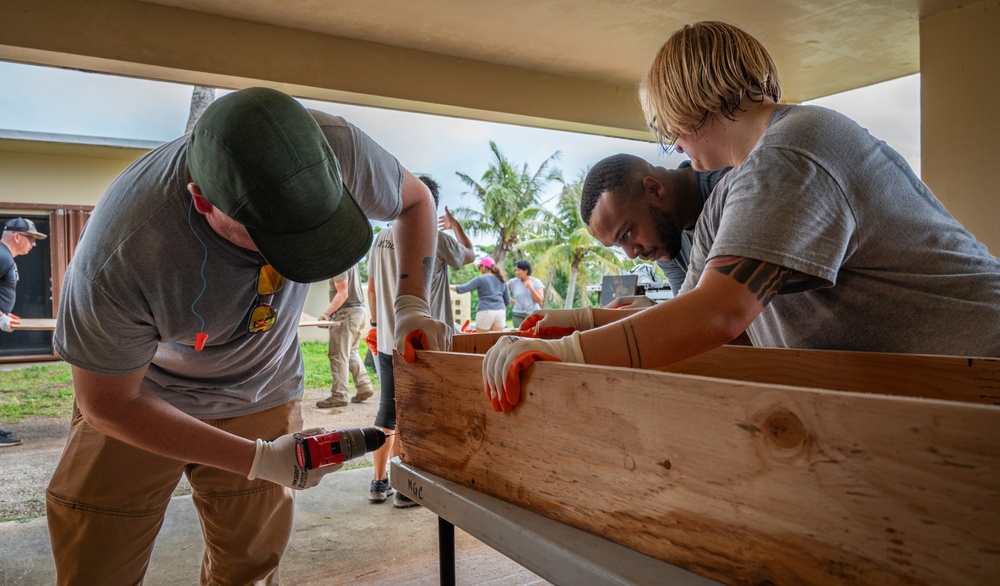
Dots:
pixel 33 239
pixel 263 315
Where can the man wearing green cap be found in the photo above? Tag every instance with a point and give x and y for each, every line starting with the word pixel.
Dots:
pixel 179 316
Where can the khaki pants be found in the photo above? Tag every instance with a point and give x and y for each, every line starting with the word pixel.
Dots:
pixel 343 352
pixel 106 500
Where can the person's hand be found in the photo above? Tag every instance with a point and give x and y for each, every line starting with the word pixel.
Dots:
pixel 372 340
pixel 446 221
pixel 8 321
pixel 324 317
pixel 275 461
pixel 415 329
pixel 630 302
pixel 504 362
pixel 556 323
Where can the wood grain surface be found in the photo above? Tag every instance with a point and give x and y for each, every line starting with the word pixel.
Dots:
pixel 745 482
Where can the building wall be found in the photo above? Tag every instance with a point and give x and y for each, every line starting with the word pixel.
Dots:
pixel 960 121
pixel 42 172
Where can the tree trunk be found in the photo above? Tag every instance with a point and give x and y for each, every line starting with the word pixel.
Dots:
pixel 201 99
pixel 571 287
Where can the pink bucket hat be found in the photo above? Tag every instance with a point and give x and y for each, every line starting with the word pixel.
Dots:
pixel 486 261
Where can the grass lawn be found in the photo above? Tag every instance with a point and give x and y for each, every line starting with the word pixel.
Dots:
pixel 48 390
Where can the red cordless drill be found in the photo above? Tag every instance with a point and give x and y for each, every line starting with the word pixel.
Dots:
pixel 326 448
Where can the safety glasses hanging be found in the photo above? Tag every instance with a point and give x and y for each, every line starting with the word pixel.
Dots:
pixel 263 315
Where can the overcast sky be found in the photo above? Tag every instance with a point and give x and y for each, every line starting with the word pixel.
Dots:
pixel 61 101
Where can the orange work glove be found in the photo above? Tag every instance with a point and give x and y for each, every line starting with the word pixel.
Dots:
pixel 556 323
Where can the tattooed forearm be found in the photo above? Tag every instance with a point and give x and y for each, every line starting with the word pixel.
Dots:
pixel 631 345
pixel 763 279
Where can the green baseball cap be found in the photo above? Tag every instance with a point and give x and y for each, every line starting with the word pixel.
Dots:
pixel 262 159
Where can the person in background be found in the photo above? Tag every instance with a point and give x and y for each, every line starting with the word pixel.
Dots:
pixel 19 237
pixel 491 309
pixel 451 251
pixel 347 308
pixel 527 292
pixel 820 237
pixel 659 205
pixel 179 316
pixel 382 273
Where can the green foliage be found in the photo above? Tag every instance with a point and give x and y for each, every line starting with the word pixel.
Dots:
pixel 317 366
pixel 509 199
pixel 36 390
pixel 566 253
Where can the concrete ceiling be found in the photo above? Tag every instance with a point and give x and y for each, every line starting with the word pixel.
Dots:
pixel 564 64
pixel 821 46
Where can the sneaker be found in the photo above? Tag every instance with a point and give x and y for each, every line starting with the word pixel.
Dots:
pixel 7 439
pixel 362 395
pixel 331 402
pixel 379 491
pixel 401 501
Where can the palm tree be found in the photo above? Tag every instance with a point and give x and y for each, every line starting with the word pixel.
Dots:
pixel 564 244
pixel 201 99
pixel 510 198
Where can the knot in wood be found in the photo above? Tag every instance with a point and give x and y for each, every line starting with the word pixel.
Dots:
pixel 784 430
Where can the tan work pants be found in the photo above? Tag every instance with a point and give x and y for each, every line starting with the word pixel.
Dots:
pixel 106 500
pixel 343 352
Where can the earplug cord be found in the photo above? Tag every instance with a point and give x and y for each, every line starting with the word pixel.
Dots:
pixel 204 281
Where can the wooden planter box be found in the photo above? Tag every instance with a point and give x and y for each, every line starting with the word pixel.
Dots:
pixel 744 465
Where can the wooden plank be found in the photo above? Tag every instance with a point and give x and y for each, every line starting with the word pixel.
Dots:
pixel 951 378
pixel 742 482
pixel 50 324
pixel 36 324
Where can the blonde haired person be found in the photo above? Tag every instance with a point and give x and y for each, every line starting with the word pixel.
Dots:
pixel 820 237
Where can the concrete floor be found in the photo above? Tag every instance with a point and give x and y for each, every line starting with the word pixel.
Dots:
pixel 338 538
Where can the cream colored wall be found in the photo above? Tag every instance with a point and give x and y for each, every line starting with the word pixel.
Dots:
pixel 960 120
pixel 40 174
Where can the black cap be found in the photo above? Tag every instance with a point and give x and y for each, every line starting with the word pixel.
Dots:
pixel 25 226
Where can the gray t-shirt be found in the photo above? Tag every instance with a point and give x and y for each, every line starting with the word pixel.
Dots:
pixel 492 291
pixel 676 268
pixel 382 267
pixel 450 253
pixel 131 292
pixel 880 264
pixel 355 296
pixel 524 303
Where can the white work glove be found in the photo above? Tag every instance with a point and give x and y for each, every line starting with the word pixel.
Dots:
pixel 275 461
pixel 556 323
pixel 504 362
pixel 8 321
pixel 630 302
pixel 415 329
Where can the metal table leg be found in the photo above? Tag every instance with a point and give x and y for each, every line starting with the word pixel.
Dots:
pixel 446 551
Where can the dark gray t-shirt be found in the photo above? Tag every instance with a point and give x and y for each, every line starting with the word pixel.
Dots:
pixel 676 268
pixel 132 289
pixel 880 264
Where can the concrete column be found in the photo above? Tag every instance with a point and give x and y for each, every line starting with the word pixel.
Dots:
pixel 960 120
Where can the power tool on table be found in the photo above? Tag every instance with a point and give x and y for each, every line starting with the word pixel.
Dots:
pixel 326 448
